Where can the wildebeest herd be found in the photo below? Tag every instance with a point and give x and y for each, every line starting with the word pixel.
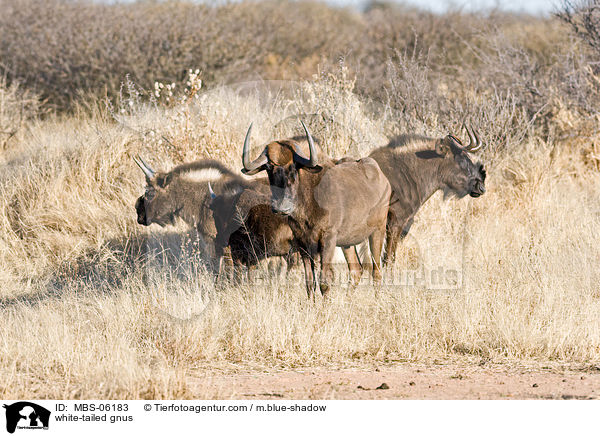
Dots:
pixel 309 203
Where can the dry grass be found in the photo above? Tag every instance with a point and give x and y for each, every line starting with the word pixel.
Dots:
pixel 93 313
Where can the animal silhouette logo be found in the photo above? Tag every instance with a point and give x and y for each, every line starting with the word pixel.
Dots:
pixel 26 415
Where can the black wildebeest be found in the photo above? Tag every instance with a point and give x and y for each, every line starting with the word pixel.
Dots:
pixel 232 214
pixel 245 222
pixel 417 167
pixel 183 193
pixel 328 205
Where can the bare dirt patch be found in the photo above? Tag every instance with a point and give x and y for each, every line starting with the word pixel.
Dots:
pixel 406 381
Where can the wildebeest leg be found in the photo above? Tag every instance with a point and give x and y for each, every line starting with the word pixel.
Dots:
pixel 376 244
pixel 406 228
pixel 275 266
pixel 309 275
pixel 393 232
pixel 353 264
pixel 293 259
pixel 252 273
pixel 237 271
pixel 327 253
pixel 216 262
pixel 363 251
pixel 225 263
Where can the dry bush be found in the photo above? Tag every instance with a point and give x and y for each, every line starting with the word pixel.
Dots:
pixel 340 118
pixel 583 17
pixel 63 49
pixel 397 33
pixel 425 102
pixel 506 72
pixel 513 79
pixel 17 107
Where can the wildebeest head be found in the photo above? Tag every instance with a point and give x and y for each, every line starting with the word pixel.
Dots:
pixel 461 176
pixel 155 205
pixel 223 208
pixel 282 160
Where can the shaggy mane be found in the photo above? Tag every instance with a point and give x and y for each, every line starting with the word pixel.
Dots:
pixel 409 143
pixel 205 164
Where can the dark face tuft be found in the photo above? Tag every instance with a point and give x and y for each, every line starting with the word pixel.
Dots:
pixel 477 187
pixel 140 208
pixel 284 186
pixel 155 206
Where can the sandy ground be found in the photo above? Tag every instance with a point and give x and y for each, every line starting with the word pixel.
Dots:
pixel 405 381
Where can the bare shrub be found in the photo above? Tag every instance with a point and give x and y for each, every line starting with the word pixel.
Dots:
pixel 577 71
pixel 62 49
pixel 426 102
pixel 393 30
pixel 17 106
pixel 338 116
pixel 583 16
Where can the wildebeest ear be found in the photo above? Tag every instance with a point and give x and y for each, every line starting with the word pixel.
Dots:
pixel 442 147
pixel 162 180
pixel 447 144
pixel 314 169
pixel 253 172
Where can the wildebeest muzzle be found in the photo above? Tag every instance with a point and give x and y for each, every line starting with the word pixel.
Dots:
pixel 141 211
pixel 478 188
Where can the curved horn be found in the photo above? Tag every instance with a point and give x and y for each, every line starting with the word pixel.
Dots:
pixel 211 192
pixel 146 165
pixel 474 141
pixel 254 166
pixel 314 158
pixel 149 172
